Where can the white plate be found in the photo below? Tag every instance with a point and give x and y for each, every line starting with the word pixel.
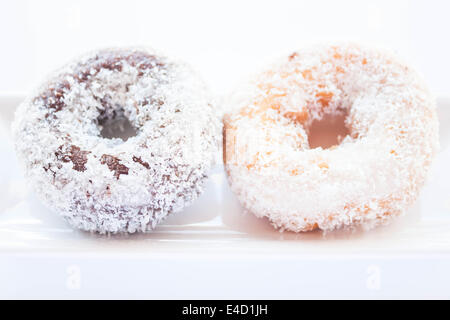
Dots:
pixel 214 250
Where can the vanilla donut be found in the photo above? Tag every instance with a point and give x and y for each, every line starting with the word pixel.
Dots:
pixel 373 174
pixel 104 183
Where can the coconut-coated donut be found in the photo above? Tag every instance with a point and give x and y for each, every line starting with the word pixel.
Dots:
pixel 108 184
pixel 373 174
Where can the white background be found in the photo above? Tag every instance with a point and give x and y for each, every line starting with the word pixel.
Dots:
pixel 224 40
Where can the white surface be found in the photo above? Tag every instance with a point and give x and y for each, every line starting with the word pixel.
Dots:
pixel 214 250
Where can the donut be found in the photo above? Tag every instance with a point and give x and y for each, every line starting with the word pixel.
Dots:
pixel 106 183
pixel 368 176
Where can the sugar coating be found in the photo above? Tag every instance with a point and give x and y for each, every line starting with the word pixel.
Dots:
pixel 111 185
pixel 376 171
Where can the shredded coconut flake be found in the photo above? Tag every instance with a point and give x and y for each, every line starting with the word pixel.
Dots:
pixel 111 185
pixel 375 173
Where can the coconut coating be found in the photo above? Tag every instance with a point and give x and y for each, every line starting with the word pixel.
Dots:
pixel 107 184
pixel 373 174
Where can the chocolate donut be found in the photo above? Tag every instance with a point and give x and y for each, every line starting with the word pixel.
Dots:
pixel 107 180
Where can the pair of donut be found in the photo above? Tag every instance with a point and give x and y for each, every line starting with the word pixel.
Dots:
pixel 103 183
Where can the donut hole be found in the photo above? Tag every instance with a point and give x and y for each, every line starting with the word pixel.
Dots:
pixel 115 125
pixel 328 131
